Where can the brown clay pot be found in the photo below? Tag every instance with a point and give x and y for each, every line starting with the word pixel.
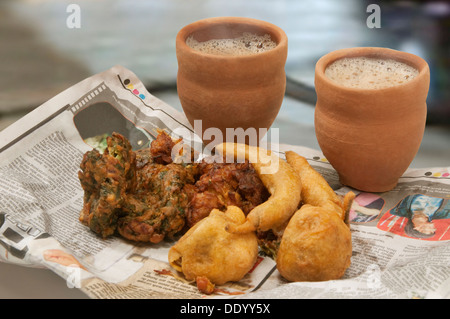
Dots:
pixel 231 91
pixel 371 136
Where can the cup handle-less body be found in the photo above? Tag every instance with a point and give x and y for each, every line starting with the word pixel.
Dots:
pixel 371 136
pixel 231 91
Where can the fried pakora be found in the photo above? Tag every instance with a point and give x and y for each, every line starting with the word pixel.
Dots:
pixel 279 178
pixel 161 148
pixel 315 189
pixel 145 196
pixel 208 251
pixel 157 207
pixel 224 184
pixel 316 244
pixel 129 192
pixel 106 179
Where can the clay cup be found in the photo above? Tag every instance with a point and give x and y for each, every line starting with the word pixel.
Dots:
pixel 244 92
pixel 371 136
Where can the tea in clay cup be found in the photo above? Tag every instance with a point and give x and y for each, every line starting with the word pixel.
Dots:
pixel 370 136
pixel 231 91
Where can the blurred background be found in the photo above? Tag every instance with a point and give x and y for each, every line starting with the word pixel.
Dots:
pixel 40 55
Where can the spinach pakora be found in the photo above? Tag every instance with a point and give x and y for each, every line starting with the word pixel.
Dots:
pixel 144 196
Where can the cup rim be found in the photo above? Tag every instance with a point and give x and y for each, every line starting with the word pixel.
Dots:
pixel 187 30
pixel 377 52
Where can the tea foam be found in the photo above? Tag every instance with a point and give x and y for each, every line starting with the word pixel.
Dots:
pixel 370 73
pixel 246 44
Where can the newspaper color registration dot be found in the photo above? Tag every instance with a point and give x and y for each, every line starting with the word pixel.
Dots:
pixel 437 174
pixel 318 158
pixel 131 87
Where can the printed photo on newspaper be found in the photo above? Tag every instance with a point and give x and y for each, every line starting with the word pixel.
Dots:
pixel 62 206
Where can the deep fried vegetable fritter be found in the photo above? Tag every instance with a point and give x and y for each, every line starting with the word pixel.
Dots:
pixel 161 148
pixel 316 244
pixel 157 208
pixel 145 196
pixel 106 179
pixel 221 185
pixel 127 191
pixel 280 180
pixel 208 250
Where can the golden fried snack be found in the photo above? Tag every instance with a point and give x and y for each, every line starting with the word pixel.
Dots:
pixel 316 244
pixel 220 185
pixel 208 251
pixel 315 189
pixel 278 177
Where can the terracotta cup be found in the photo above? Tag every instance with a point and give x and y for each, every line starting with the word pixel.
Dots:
pixel 371 136
pixel 231 91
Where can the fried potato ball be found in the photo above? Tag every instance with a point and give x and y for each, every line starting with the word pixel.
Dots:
pixel 316 246
pixel 209 250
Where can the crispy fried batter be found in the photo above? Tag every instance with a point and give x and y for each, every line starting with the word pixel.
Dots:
pixel 315 189
pixel 316 244
pixel 281 181
pixel 221 185
pixel 129 192
pixel 145 196
pixel 209 250
pixel 105 180
pixel 161 148
pixel 157 208
pixel 204 285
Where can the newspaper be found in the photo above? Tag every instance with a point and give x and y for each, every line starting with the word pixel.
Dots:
pixel 41 198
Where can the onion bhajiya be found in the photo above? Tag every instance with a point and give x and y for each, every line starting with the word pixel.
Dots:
pixel 106 179
pixel 129 192
pixel 224 184
pixel 157 208
pixel 144 196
